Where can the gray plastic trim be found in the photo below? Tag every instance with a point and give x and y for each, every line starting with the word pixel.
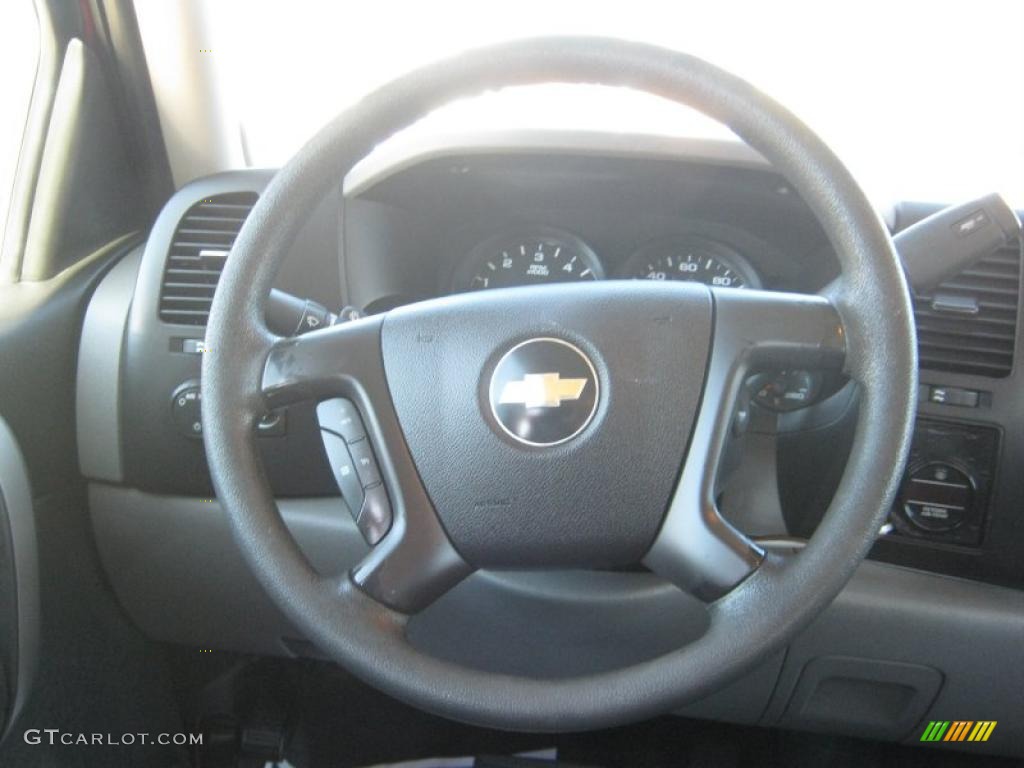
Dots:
pixel 750 496
pixel 16 498
pixel 175 567
pixel 970 632
pixel 177 571
pixel 408 150
pixel 98 389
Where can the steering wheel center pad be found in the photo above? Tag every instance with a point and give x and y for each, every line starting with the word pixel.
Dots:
pixel 594 500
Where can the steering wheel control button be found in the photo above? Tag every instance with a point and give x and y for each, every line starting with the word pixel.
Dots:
pixel 543 392
pixel 365 463
pixel 355 467
pixel 786 390
pixel 341 417
pixel 936 497
pixel 344 469
pixel 375 515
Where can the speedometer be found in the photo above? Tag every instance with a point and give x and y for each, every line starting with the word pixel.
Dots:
pixel 692 258
pixel 528 258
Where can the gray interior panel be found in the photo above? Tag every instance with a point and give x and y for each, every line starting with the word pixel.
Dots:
pixel 969 633
pixel 176 569
pixel 862 697
pixel 16 513
pixel 98 389
pixel 899 635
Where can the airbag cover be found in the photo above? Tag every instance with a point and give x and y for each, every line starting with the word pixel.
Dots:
pixel 595 499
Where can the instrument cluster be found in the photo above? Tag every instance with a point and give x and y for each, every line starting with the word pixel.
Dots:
pixel 550 255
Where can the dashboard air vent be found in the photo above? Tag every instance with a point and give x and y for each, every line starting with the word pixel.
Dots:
pixel 196 257
pixel 968 323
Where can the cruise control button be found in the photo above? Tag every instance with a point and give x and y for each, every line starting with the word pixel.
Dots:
pixel 375 516
pixel 344 470
pixel 341 416
pixel 366 463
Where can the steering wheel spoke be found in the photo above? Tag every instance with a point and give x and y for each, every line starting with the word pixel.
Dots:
pixel 412 561
pixel 412 567
pixel 773 329
pixel 696 548
pixel 327 363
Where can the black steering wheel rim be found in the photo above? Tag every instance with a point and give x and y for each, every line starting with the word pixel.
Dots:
pixel 748 622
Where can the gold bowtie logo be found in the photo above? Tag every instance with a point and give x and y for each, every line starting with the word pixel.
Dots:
pixel 542 390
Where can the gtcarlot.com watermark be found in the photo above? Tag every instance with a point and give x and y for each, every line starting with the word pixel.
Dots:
pixel 54 736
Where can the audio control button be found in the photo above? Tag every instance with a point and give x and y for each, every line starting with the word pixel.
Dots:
pixel 365 462
pixel 344 470
pixel 341 417
pixel 375 516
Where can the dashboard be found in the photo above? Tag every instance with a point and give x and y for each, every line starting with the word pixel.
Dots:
pixel 418 221
pixel 428 219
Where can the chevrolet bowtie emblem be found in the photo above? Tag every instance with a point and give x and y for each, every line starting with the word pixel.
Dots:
pixel 550 406
pixel 541 390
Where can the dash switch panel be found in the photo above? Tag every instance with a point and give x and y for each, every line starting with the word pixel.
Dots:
pixel 945 492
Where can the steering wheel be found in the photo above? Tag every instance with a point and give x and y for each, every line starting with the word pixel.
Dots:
pixel 570 426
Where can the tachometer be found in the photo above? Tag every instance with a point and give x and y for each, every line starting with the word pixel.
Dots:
pixel 529 258
pixel 692 258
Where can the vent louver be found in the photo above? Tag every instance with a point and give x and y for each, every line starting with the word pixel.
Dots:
pixel 968 323
pixel 196 257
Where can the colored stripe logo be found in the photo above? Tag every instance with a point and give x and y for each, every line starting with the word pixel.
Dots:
pixel 959 730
